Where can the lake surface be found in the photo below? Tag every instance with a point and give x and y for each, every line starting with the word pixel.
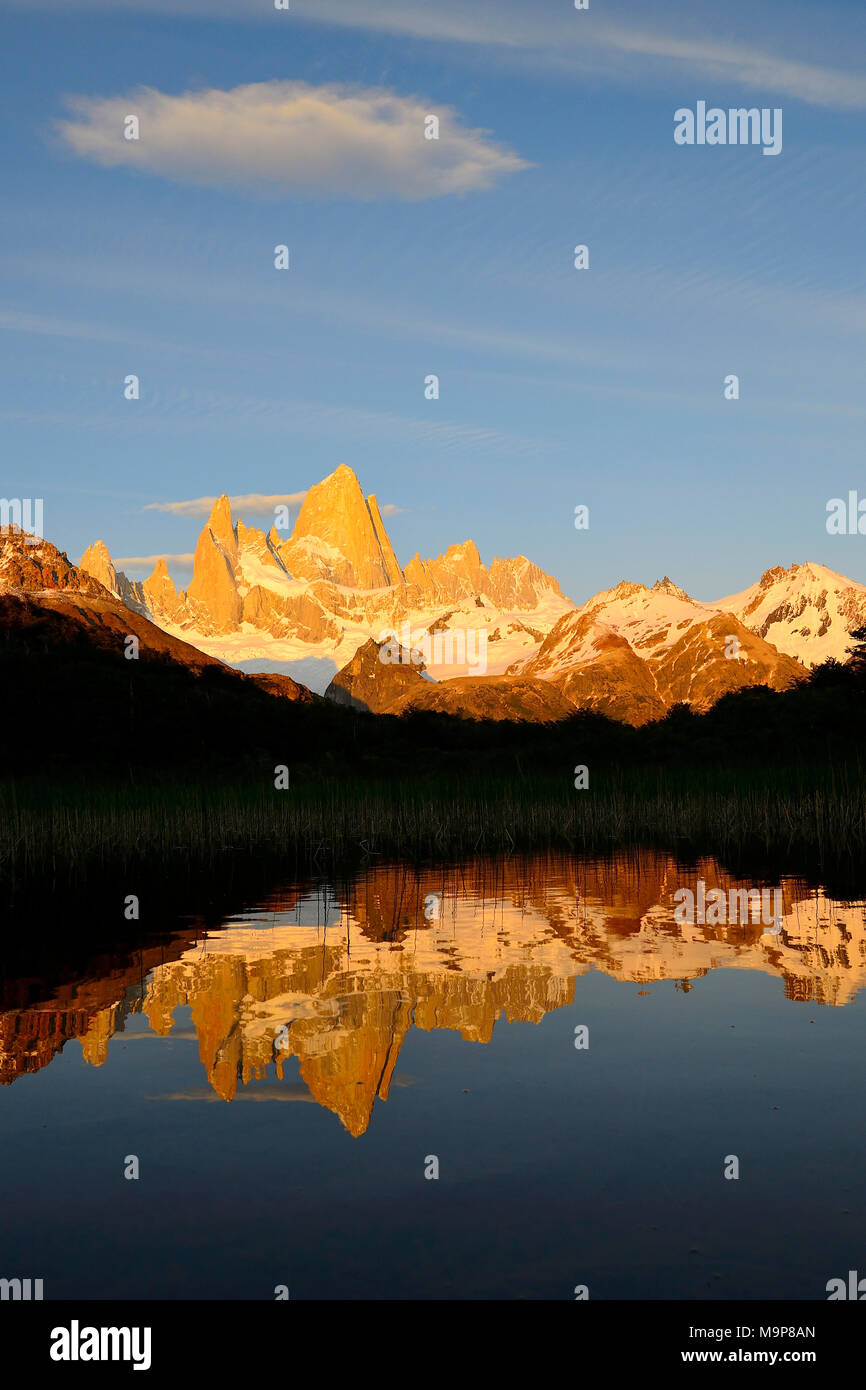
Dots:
pixel 286 1079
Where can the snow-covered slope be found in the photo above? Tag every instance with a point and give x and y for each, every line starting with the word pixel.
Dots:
pixel 806 611
pixel 305 604
pixel 634 652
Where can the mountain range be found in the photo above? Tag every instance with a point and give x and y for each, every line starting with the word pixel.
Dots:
pixel 310 600
pixel 323 604
pixel 53 604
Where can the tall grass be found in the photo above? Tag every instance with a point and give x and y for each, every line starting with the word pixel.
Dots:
pixel 71 832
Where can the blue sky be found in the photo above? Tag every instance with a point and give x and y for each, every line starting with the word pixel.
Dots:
pixel 557 386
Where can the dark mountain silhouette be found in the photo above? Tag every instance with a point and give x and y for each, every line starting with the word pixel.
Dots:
pixel 77 704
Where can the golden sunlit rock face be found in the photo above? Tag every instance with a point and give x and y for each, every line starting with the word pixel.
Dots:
pixel 458 949
pixel 28 564
pixel 368 683
pixel 332 585
pixel 334 588
pixel 339 536
pixel 213 593
pixel 38 585
pixel 37 580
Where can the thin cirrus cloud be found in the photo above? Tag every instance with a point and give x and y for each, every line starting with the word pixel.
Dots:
pixel 282 138
pixel 555 38
pixel 750 67
pixel 133 562
pixel 253 503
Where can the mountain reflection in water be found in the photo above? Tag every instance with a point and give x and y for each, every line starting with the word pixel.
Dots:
pixel 335 976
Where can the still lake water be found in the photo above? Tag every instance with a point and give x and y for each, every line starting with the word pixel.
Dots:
pixel 285 1078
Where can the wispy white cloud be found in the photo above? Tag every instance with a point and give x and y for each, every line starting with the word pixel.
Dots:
pixel 279 138
pixel 202 409
pixel 47 325
pixel 555 37
pixel 390 510
pixel 264 1091
pixel 748 67
pixel 142 562
pixel 552 36
pixel 404 323
pixel 253 503
pixel 20 322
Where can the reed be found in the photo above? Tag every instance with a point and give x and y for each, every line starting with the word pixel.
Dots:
pixel 74 831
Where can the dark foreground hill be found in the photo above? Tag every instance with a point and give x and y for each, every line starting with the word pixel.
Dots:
pixel 73 704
